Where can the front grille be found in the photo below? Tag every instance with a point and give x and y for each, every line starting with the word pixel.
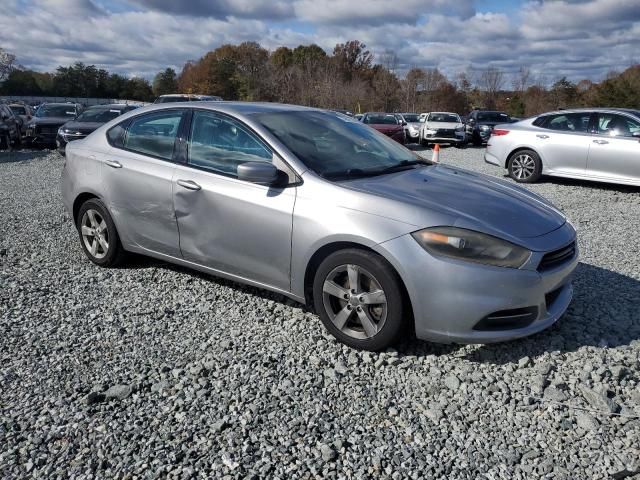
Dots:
pixel 46 129
pixel 446 133
pixel 508 319
pixel 557 257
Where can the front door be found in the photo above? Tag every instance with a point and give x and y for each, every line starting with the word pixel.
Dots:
pixel 227 224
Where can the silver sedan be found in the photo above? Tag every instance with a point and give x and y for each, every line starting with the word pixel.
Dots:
pixel 325 210
pixel 590 144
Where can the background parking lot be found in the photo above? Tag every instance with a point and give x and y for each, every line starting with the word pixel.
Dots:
pixel 151 369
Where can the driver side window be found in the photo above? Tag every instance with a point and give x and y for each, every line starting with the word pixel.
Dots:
pixel 617 125
pixel 219 144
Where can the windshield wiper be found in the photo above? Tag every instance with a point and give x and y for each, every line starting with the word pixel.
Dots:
pixel 403 165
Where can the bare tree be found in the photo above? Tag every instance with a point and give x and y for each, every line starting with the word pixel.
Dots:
pixel 522 79
pixel 7 63
pixel 491 81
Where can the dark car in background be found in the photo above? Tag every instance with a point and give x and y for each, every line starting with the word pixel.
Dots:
pixel 186 97
pixel 89 120
pixel 387 123
pixel 9 128
pixel 49 117
pixel 480 124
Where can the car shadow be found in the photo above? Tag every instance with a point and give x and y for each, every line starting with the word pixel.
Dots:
pixel 13 156
pixel 604 312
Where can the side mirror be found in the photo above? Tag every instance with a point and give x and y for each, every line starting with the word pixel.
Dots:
pixel 404 124
pixel 262 173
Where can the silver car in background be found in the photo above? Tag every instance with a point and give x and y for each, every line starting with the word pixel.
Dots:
pixel 601 144
pixel 412 127
pixel 327 211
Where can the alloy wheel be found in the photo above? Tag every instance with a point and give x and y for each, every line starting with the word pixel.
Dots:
pixel 95 234
pixel 354 301
pixel 523 166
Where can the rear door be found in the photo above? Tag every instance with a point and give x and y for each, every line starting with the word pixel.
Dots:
pixel 564 141
pixel 228 224
pixel 138 173
pixel 615 149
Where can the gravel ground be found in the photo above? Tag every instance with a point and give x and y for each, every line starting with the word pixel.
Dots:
pixel 152 371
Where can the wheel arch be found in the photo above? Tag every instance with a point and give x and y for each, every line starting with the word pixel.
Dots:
pixel 520 149
pixel 325 250
pixel 79 201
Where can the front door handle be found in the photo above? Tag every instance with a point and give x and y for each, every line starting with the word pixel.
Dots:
pixel 601 142
pixel 113 163
pixel 542 136
pixel 189 185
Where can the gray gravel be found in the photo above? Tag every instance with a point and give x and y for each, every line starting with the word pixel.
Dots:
pixel 152 371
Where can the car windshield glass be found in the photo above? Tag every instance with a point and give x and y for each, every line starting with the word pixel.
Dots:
pixel 172 99
pixel 443 117
pixel 336 146
pixel 411 118
pixel 56 111
pixel 381 119
pixel 493 117
pixel 98 115
pixel 18 110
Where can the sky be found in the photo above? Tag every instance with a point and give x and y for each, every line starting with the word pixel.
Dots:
pixel 553 38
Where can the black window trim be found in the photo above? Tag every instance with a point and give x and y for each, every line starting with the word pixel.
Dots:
pixel 127 123
pixel 277 160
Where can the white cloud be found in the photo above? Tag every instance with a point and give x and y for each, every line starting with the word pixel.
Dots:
pixel 577 39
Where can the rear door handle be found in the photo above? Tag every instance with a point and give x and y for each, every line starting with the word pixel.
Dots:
pixel 189 185
pixel 113 163
pixel 542 136
pixel 600 142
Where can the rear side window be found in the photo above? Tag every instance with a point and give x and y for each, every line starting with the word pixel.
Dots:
pixel 219 144
pixel 569 122
pixel 154 134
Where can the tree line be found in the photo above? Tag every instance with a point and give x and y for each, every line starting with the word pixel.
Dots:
pixel 348 78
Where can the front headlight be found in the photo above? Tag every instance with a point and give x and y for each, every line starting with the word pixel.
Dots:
pixel 430 131
pixel 460 128
pixel 471 246
pixel 60 131
pixel 485 127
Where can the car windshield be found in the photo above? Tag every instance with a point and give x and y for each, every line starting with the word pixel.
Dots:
pixel 411 118
pixel 493 117
pixel 18 110
pixel 336 146
pixel 444 117
pixel 98 115
pixel 56 111
pixel 381 119
pixel 172 99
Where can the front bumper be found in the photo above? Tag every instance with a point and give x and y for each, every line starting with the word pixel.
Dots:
pixel 37 137
pixel 450 298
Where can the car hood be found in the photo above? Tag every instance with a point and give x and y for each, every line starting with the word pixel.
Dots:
pixel 436 125
pixel 82 127
pixel 49 121
pixel 429 196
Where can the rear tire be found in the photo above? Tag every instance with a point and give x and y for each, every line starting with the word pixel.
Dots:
pixel 359 299
pixel 98 235
pixel 525 166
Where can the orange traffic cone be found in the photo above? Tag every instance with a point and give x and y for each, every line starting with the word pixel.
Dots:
pixel 436 154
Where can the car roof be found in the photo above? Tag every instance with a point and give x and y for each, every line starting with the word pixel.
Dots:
pixel 446 113
pixel 60 104
pixel 111 105
pixel 594 109
pixel 232 107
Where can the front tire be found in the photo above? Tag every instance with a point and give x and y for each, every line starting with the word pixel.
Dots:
pixel 525 166
pixel 98 235
pixel 358 297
